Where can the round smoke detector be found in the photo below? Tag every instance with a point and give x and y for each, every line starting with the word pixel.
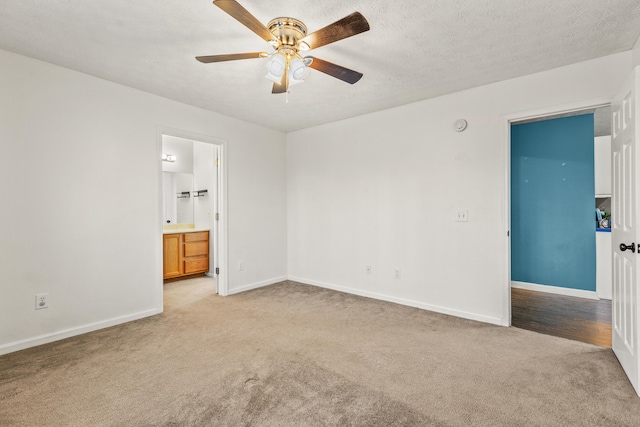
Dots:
pixel 460 125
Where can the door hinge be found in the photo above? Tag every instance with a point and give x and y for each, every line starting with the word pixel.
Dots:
pixel 217 163
pixel 217 270
pixel 217 216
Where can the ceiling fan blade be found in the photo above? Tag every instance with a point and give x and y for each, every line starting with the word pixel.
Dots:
pixel 334 70
pixel 230 57
pixel 283 86
pixel 346 27
pixel 242 15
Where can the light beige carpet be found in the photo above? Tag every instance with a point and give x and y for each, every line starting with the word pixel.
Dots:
pixel 296 355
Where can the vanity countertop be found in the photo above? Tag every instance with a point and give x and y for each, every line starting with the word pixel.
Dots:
pixel 178 230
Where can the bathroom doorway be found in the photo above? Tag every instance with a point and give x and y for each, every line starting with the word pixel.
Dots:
pixel 193 209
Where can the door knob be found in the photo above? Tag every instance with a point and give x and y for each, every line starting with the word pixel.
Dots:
pixel 624 247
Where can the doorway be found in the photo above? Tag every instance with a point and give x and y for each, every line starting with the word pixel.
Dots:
pixel 559 269
pixel 192 206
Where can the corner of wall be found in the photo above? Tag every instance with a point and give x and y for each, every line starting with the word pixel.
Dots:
pixel 636 53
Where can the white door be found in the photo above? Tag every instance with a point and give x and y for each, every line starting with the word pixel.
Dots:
pixel 625 214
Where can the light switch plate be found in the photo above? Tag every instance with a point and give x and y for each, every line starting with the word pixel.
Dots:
pixel 462 216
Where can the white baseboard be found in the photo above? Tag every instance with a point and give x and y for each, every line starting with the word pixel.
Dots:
pixel 555 290
pixel 402 301
pixel 67 333
pixel 256 285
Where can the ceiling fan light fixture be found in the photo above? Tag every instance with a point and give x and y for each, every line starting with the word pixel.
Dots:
pixel 288 37
pixel 298 71
pixel 275 68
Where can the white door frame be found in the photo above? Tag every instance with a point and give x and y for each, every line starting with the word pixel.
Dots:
pixel 221 244
pixel 507 120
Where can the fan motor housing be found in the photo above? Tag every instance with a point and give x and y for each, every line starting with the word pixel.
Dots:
pixel 288 31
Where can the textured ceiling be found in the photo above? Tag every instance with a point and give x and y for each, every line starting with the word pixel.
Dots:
pixel 416 49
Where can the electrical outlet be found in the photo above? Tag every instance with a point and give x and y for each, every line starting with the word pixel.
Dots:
pixel 240 265
pixel 368 267
pixel 42 301
pixel 462 216
pixel 396 273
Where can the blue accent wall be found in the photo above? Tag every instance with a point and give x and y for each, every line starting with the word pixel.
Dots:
pixel 552 203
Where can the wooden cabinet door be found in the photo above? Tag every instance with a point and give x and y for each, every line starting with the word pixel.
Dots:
pixel 172 251
pixel 196 252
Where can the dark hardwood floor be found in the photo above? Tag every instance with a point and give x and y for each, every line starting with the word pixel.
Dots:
pixel 573 318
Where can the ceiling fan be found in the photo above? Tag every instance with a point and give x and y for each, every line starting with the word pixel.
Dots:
pixel 288 37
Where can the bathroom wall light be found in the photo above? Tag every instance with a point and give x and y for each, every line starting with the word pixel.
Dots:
pixel 168 157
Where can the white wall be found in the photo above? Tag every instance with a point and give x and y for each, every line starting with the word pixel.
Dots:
pixel 183 150
pixel 183 183
pixel 602 165
pixel 204 179
pixel 382 190
pixel 82 222
pixel 80 183
pixel 636 53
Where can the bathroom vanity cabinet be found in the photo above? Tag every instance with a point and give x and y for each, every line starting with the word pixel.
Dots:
pixel 185 253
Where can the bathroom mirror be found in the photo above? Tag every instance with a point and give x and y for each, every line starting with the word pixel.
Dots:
pixel 177 195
